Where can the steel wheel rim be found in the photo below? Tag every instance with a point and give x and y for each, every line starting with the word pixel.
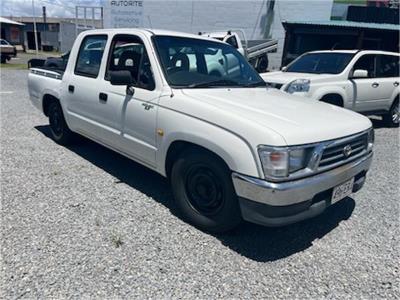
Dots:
pixel 203 190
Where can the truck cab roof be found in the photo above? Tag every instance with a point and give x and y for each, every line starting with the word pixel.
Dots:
pixel 148 32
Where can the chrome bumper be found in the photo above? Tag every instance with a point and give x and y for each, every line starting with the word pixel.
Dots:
pixel 291 192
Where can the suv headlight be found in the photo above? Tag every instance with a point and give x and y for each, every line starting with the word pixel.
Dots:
pixel 279 162
pixel 298 85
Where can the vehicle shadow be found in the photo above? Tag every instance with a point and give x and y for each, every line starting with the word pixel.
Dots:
pixel 252 241
pixel 377 122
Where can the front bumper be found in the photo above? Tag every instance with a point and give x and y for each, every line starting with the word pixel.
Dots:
pixel 278 204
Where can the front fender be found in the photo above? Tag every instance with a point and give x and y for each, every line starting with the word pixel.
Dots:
pixel 322 91
pixel 233 149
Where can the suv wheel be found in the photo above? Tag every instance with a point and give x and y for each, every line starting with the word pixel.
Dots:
pixel 60 132
pixel 203 191
pixel 392 119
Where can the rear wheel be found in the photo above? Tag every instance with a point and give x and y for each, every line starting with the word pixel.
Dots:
pixel 58 127
pixel 203 191
pixel 392 119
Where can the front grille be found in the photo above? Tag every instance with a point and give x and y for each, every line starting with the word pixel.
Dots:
pixel 274 85
pixel 342 151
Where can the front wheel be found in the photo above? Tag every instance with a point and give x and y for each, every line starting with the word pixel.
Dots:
pixel 203 191
pixel 392 119
pixel 60 132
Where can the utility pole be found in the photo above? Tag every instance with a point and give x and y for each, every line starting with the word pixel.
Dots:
pixel 44 24
pixel 34 29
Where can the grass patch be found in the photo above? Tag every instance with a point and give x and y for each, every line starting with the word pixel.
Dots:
pixel 14 66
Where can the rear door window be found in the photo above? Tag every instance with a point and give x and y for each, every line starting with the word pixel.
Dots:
pixel 232 41
pixel 388 66
pixel 90 55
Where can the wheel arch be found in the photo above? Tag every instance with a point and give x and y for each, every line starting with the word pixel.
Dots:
pixel 333 98
pixel 245 163
pixel 178 147
pixel 47 99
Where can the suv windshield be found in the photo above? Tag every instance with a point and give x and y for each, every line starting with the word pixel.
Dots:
pixel 318 63
pixel 196 63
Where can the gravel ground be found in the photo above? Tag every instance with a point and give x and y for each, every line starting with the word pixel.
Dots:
pixel 85 222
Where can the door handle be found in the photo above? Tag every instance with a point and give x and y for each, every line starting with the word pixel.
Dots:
pixel 103 97
pixel 375 85
pixel 71 88
pixel 396 83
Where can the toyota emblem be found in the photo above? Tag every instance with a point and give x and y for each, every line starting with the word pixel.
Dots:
pixel 347 151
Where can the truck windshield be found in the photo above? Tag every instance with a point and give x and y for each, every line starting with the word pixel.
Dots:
pixel 196 63
pixel 319 63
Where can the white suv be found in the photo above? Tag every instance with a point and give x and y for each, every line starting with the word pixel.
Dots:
pixel 364 81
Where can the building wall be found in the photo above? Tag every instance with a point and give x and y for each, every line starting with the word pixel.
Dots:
pixel 12 33
pixel 49 33
pixel 252 16
pixel 67 35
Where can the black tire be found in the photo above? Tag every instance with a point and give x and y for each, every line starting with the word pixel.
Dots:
pixel 59 130
pixel 392 118
pixel 3 59
pixel 203 191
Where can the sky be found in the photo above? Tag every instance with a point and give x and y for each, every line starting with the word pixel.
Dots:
pixel 54 8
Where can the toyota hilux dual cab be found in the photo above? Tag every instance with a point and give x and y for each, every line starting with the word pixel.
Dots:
pixel 365 81
pixel 192 109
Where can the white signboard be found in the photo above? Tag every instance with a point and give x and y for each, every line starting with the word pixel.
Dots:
pixel 123 13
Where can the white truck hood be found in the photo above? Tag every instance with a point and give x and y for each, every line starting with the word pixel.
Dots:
pixel 296 119
pixel 286 77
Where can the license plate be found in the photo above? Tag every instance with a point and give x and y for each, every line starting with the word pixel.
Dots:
pixel 342 191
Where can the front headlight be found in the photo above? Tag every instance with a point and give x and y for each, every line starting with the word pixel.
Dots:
pixel 275 161
pixel 279 162
pixel 298 86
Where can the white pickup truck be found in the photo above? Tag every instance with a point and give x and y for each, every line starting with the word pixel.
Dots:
pixel 365 81
pixel 255 51
pixel 232 148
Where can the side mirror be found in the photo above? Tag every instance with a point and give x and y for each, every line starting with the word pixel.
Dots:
pixel 121 78
pixel 360 74
pixel 283 69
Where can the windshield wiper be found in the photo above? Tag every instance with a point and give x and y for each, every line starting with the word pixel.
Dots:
pixel 255 84
pixel 219 82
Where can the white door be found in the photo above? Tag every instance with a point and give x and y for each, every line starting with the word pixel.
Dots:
pixel 367 91
pixel 90 113
pixel 138 112
pixel 388 75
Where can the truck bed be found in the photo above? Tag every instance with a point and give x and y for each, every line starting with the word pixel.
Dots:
pixel 42 81
pixel 48 72
pixel 259 47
